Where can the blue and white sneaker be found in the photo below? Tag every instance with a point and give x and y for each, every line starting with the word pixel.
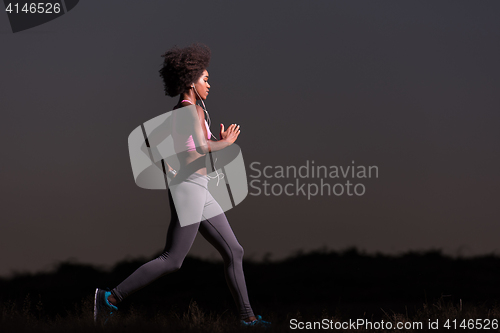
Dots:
pixel 257 323
pixel 103 310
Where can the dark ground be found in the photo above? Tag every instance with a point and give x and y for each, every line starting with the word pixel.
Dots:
pixel 347 284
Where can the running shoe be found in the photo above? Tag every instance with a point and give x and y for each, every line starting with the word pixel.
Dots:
pixel 103 310
pixel 257 323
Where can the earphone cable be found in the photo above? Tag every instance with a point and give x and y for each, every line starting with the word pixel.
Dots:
pixel 219 176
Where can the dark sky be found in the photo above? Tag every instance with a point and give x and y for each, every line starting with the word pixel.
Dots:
pixel 409 87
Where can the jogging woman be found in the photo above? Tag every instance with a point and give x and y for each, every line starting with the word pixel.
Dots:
pixel 184 73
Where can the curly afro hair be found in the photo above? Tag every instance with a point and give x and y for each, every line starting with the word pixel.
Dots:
pixel 183 66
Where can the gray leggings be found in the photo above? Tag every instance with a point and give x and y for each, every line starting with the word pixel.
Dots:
pixel 194 194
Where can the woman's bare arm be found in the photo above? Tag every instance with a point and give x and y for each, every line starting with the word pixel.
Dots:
pixel 203 145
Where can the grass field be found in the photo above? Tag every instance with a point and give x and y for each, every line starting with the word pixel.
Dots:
pixel 319 292
pixel 28 317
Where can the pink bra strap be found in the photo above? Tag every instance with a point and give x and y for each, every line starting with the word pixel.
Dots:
pixel 185 100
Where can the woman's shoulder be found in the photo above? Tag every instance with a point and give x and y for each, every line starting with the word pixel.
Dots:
pixel 184 104
pixel 200 111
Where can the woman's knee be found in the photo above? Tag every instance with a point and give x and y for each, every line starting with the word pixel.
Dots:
pixel 170 264
pixel 176 265
pixel 238 252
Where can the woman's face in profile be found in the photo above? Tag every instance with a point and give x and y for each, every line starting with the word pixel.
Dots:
pixel 202 85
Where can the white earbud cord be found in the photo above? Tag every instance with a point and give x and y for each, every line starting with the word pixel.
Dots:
pixel 219 175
